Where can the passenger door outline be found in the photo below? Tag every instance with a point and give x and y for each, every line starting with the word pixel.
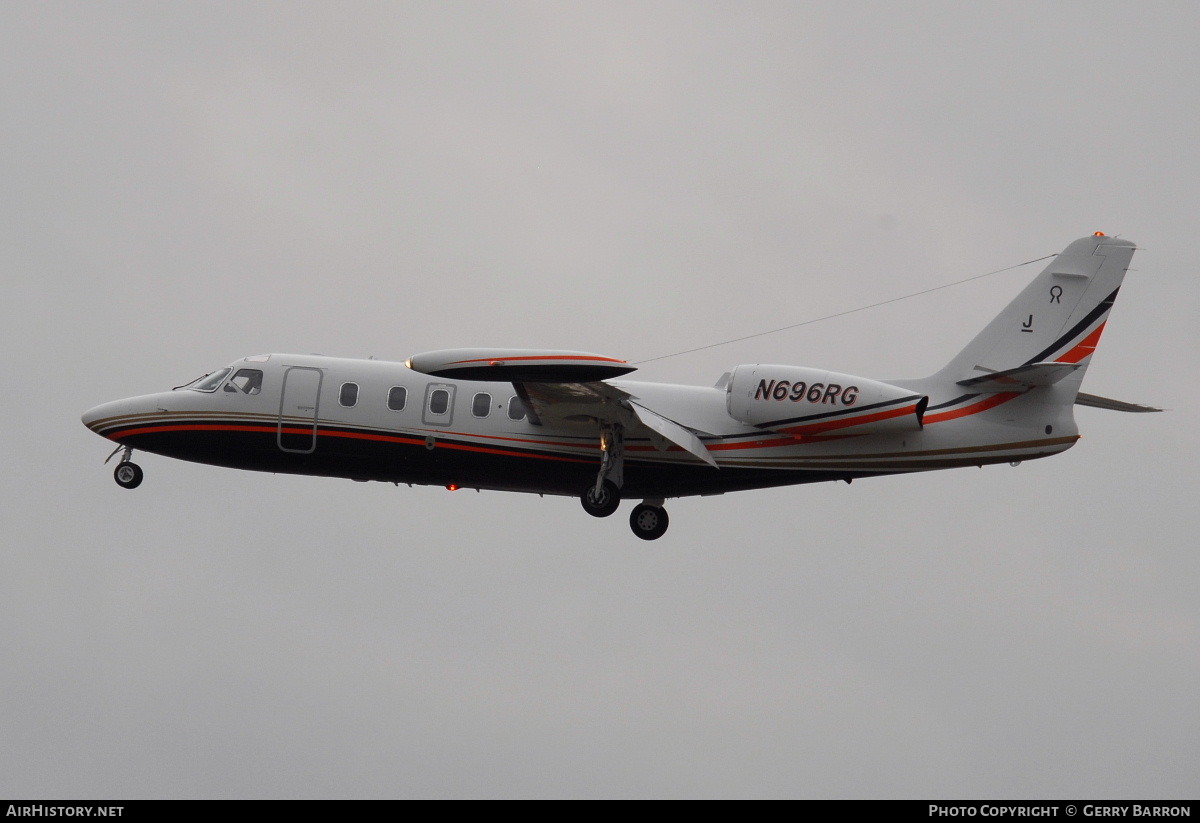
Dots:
pixel 299 407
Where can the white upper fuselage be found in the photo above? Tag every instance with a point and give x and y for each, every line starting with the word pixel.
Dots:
pixel 373 419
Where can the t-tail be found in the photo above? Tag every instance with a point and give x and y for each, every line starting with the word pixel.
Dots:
pixel 1046 336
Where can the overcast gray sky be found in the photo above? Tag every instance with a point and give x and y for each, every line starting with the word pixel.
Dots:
pixel 190 183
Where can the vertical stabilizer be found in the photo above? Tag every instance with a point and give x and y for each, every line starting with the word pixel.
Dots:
pixel 1058 318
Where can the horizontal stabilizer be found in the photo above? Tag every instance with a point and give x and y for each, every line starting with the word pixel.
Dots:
pixel 1112 405
pixel 1021 378
pixel 677 434
pixel 519 365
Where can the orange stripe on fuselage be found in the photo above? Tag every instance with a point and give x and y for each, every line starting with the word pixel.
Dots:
pixel 387 438
pixel 831 425
pixel 974 408
pixel 769 441
pixel 383 438
pixel 557 443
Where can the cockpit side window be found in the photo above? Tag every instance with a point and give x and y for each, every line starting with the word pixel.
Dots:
pixel 208 382
pixel 246 381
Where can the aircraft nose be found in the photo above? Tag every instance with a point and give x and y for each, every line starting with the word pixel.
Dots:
pixel 96 418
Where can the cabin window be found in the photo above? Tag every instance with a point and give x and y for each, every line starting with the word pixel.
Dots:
pixel 397 396
pixel 481 404
pixel 246 381
pixel 348 396
pixel 439 403
pixel 516 409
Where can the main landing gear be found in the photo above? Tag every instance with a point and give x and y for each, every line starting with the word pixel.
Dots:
pixel 127 474
pixel 649 521
pixel 600 499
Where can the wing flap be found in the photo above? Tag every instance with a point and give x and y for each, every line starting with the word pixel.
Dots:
pixel 601 402
pixel 677 434
pixel 573 401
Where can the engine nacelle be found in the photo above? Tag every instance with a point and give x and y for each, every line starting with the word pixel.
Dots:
pixel 800 400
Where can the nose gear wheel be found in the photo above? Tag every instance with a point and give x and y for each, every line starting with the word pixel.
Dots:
pixel 128 475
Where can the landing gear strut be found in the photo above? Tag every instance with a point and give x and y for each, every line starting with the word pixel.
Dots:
pixel 604 496
pixel 649 520
pixel 600 499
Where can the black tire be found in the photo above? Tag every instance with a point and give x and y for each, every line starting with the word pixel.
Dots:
pixel 604 504
pixel 128 475
pixel 649 522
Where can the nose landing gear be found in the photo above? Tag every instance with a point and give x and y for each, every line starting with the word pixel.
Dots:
pixel 127 474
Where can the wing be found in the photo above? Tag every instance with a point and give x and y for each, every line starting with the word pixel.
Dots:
pixel 563 386
pixel 553 402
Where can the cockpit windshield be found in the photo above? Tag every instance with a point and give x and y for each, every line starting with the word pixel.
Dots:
pixel 208 382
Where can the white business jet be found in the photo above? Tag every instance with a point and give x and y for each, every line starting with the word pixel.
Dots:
pixel 557 422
